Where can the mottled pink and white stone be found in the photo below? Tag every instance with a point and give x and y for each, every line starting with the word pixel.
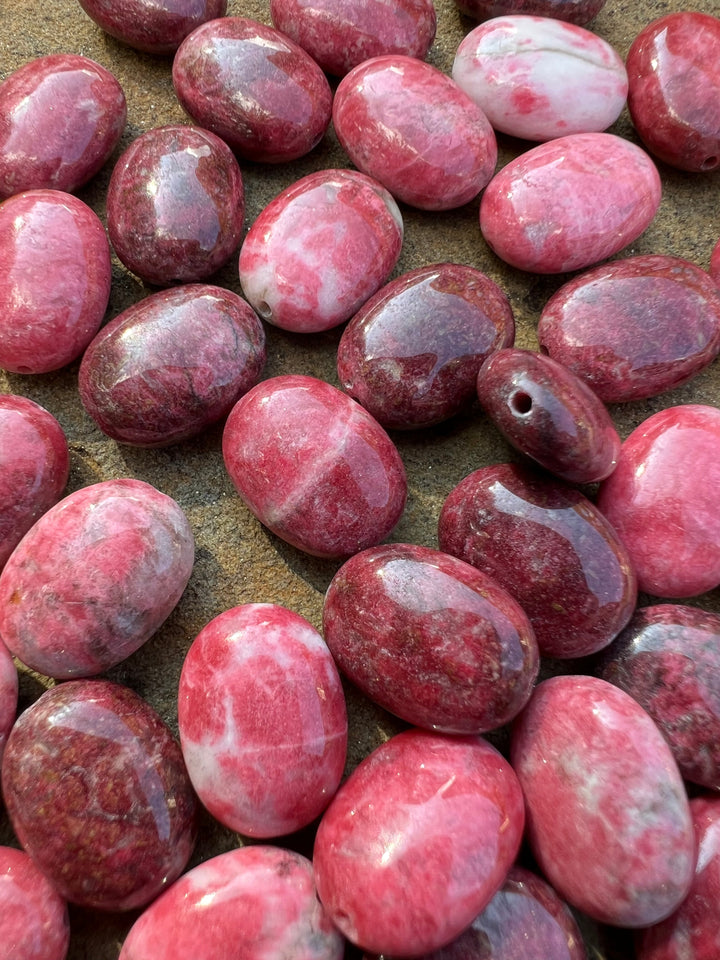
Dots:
pixel 34 922
pixel 8 695
pixel 263 724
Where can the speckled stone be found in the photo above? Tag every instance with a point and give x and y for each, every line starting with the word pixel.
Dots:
pixel 8 695
pixel 34 922
pixel 154 26
pixel 574 11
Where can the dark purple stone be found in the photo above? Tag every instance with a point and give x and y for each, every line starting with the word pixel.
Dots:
pixel 154 26
pixel 574 11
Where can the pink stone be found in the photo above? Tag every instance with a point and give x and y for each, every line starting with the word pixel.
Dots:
pixel 715 263
pixel 539 78
pixel 570 203
pixel 607 814
pixel 98 795
pixel 154 26
pixel 34 467
pixel 340 34
pixel 34 921
pixel 662 500
pixel 61 117
pixel 320 249
pixel 410 126
pixel 55 281
pixel 674 97
pixel 257 902
pixel 574 11
pixel 94 578
pixel 314 466
pixel 263 725
pixel 8 696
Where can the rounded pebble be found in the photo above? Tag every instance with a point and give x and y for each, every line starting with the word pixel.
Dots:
pixel 8 695
pixel 574 11
pixel 34 923
pixel 153 26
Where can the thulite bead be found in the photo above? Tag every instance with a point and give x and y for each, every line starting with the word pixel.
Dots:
pixel 34 921
pixel 8 695
pixel 550 548
pixel 410 126
pixel 607 814
pixel 662 500
pixel 569 203
pixel 258 903
pixel 417 841
pixel 154 26
pixel 574 11
pixel 539 78
pixel 314 466
pixel 263 726
pixel 61 117
pixel 674 97
pixel 98 795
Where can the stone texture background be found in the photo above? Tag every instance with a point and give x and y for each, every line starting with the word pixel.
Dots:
pixel 237 561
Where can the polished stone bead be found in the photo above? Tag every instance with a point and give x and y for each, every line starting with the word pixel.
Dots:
pixel 263 724
pixel 153 26
pixel 98 795
pixel 408 369
pixel 55 280
pixel 417 841
pixel 410 126
pixel 569 203
pixel 538 77
pixel 607 814
pixel 34 922
pixel 674 98
pixel 550 548
pixel 573 11
pixel 8 695
pixel 662 500
pixel 61 117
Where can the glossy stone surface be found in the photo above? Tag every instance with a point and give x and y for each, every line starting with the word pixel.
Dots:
pixel 98 795
pixel 662 500
pixel 538 77
pixel 263 724
pixel 254 87
pixel 674 98
pixel 61 117
pixel 154 26
pixel 569 203
pixel 175 205
pixel 340 34
pixel 574 11
pixel 623 850
pixel 668 659
pixel 34 921
pixel 417 841
pixel 320 249
pixel 410 126
pixel 550 548
pixel 8 695
pixel 55 281
pixel 549 414
pixel 256 902
pixel 634 328
pixel 172 364
pixel 408 369
pixel 94 578
pixel 314 466
pixel 34 467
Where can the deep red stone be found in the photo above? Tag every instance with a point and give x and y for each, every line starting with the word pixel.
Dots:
pixel 98 795
pixel 8 695
pixel 574 11
pixel 154 26
pixel 34 922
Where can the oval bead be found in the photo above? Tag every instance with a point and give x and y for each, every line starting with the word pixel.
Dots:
pixel 550 548
pixel 420 798
pixel 320 249
pixel 34 920
pixel 313 466
pixel 623 850
pixel 61 117
pixel 410 126
pixel 430 638
pixel 662 500
pixel 570 202
pixel 537 77
pixel 405 367
pixel 573 11
pixel 253 87
pixel 153 26
pixel 9 685
pixel 171 365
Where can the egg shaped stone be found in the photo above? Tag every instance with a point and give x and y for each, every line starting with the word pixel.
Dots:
pixel 153 26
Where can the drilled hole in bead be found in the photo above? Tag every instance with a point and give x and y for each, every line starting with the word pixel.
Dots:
pixel 521 402
pixel 265 310
pixel 709 163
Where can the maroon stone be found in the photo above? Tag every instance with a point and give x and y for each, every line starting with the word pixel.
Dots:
pixel 549 414
pixel 61 117
pixel 607 814
pixel 408 369
pixel 715 263
pixel 175 205
pixel 171 365
pixel 34 922
pixel 550 548
pixel 154 26
pixel 8 695
pixel 668 659
pixel 417 841
pixel 574 11
pixel 254 87
pixel 55 280
pixel 674 97
pixel 98 795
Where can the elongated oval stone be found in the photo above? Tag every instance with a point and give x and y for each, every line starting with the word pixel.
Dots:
pixel 153 26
